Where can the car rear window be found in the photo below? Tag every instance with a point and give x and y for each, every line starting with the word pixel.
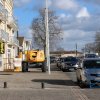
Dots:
pixel 90 55
pixel 92 64
pixel 71 59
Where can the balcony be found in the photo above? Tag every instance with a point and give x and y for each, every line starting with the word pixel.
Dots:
pixel 13 41
pixel 3 13
pixel 1 1
pixel 12 22
pixel 4 35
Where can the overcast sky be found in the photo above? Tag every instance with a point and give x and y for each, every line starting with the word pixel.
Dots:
pixel 80 19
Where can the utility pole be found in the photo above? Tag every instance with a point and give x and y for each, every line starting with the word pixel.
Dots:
pixel 76 49
pixel 47 38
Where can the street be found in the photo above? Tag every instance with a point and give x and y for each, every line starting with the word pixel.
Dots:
pixel 59 85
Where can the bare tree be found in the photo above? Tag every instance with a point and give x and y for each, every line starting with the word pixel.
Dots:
pixel 89 47
pixel 38 27
pixel 95 46
pixel 60 49
pixel 97 42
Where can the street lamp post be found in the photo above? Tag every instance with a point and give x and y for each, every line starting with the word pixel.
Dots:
pixel 76 49
pixel 47 38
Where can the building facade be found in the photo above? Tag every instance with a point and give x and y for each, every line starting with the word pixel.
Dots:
pixel 8 35
pixel 24 44
pixel 66 53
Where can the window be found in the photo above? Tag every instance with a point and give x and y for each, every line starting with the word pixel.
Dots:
pixel 92 64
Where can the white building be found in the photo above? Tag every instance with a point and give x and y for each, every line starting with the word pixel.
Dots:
pixel 8 35
pixel 24 44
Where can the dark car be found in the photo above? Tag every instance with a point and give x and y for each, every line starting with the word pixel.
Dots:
pixel 91 55
pixel 69 63
pixel 59 62
pixel 52 59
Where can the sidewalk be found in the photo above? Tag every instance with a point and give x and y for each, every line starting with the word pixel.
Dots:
pixel 27 86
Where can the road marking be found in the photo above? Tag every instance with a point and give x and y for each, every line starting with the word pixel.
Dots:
pixel 79 95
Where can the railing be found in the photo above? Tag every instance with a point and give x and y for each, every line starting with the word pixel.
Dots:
pixel 13 40
pixel 4 35
pixel 16 41
pixel 3 13
pixel 12 21
pixel 1 1
pixel 1 6
pixel 8 64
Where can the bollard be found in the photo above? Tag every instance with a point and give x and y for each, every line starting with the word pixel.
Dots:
pixel 5 84
pixel 42 85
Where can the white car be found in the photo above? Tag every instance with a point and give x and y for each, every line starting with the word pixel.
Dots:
pixel 69 63
pixel 88 72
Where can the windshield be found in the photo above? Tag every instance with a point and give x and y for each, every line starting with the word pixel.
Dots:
pixel 90 55
pixel 70 59
pixel 92 64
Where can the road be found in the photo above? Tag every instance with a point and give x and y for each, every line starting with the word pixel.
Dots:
pixel 57 86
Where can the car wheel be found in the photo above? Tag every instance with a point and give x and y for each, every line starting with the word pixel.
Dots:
pixel 63 70
pixel 75 68
pixel 81 84
pixel 67 70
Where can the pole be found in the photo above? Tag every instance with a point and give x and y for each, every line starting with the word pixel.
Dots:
pixel 76 49
pixel 47 38
pixel 6 45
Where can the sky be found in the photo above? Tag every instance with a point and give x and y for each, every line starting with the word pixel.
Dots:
pixel 79 19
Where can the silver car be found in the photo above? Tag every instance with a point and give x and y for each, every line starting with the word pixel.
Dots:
pixel 69 63
pixel 88 72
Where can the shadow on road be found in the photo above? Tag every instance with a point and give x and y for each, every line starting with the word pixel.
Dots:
pixel 56 82
pixel 2 73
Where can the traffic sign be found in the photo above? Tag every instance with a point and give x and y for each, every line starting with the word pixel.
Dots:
pixel 2 47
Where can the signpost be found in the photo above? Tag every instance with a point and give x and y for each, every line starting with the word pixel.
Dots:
pixel 2 47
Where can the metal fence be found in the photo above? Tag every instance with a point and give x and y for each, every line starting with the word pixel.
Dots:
pixel 8 64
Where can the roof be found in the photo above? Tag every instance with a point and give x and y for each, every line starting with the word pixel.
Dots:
pixel 21 39
pixel 91 58
pixel 65 52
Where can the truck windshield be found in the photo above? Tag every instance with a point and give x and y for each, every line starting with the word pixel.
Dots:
pixel 92 64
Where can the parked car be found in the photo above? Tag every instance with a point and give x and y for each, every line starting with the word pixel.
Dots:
pixel 59 61
pixel 91 55
pixel 69 63
pixel 52 59
pixel 88 72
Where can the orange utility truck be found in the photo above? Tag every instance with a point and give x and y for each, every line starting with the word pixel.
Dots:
pixel 33 58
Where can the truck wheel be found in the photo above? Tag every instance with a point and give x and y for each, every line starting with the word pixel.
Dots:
pixel 43 67
pixel 64 70
pixel 24 66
